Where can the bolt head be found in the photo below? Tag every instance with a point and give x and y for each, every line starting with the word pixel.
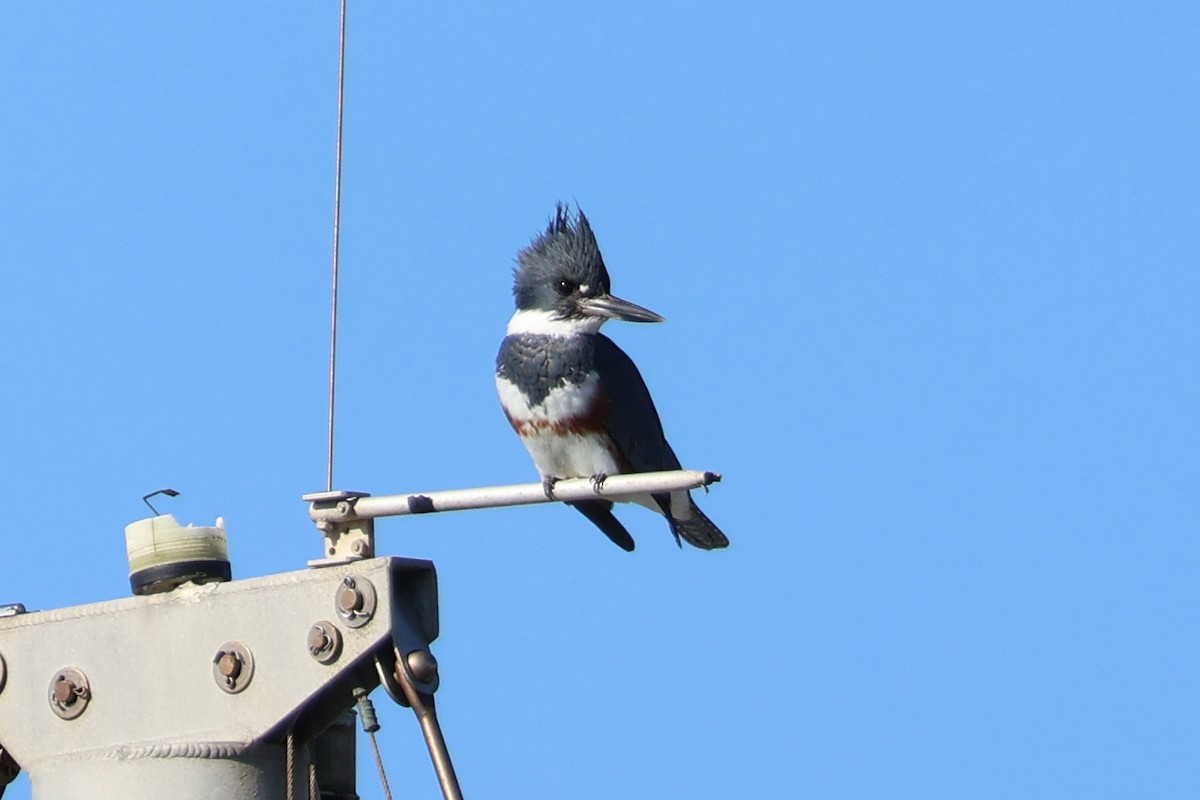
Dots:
pixel 318 639
pixel 350 600
pixel 65 691
pixel 229 665
pixel 324 642
pixel 68 693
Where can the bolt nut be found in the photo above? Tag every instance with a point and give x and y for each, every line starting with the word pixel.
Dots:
pixel 69 693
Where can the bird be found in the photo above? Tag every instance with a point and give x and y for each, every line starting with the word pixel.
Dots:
pixel 575 399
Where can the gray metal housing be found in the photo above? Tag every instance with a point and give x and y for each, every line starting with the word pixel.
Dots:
pixel 191 693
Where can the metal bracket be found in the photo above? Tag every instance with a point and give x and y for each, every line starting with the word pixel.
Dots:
pixel 410 681
pixel 347 538
pixel 183 730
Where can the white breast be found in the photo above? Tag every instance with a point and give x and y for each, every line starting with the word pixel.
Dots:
pixel 567 402
pixel 558 453
pixel 570 455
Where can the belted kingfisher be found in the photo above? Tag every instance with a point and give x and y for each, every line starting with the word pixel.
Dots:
pixel 576 400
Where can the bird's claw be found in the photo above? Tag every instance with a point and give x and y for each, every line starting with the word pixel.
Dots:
pixel 548 487
pixel 598 481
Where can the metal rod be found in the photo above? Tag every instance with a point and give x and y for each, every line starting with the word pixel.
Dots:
pixel 616 487
pixel 337 226
pixel 423 705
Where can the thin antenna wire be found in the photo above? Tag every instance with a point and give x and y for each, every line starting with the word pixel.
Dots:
pixel 290 762
pixel 387 789
pixel 337 224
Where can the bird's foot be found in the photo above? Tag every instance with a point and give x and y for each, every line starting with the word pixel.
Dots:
pixel 598 481
pixel 548 487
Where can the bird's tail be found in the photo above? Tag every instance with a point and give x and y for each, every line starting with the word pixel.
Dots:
pixel 600 514
pixel 692 525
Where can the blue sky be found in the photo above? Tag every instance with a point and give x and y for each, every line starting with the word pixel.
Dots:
pixel 930 272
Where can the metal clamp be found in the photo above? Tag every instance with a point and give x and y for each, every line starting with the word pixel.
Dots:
pixel 411 681
pixel 347 538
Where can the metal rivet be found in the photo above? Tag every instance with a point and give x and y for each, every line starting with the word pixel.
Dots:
pixel 233 667
pixel 69 693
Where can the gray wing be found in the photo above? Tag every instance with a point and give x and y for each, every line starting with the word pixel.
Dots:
pixel 632 420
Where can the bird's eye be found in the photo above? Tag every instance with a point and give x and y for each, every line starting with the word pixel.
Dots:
pixel 565 288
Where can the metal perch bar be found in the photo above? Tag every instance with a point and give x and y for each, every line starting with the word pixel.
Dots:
pixel 341 507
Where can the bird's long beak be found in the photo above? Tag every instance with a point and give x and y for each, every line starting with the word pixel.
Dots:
pixel 611 307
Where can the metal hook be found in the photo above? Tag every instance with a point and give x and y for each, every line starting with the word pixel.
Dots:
pixel 167 492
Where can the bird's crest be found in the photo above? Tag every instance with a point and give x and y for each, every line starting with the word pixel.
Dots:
pixel 567 247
